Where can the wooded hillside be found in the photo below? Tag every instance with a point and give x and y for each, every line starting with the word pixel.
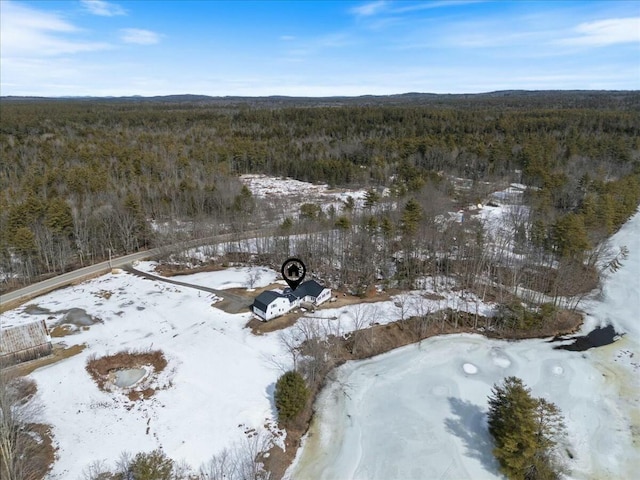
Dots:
pixel 81 177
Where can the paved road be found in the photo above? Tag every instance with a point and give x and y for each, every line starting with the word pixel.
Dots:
pixel 22 295
pixel 17 297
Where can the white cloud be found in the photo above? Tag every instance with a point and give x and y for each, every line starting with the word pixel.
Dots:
pixel 384 6
pixel 287 38
pixel 27 32
pixel 436 4
pixel 102 8
pixel 368 9
pixel 139 36
pixel 601 33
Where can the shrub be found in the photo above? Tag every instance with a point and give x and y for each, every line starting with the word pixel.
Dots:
pixel 154 465
pixel 291 395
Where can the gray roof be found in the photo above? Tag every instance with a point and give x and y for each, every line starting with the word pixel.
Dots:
pixel 263 300
pixel 310 287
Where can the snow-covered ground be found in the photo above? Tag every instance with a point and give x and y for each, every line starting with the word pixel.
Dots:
pixel 419 411
pixel 220 375
pixel 220 378
pixel 296 192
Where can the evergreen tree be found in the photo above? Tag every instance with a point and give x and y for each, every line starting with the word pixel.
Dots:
pixel 343 223
pixel 291 395
pixel 154 465
pixel 570 235
pixel 411 217
pixel 371 198
pixel 525 432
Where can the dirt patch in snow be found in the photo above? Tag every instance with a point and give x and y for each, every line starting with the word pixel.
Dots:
pixel 174 269
pixel 60 352
pixel 107 371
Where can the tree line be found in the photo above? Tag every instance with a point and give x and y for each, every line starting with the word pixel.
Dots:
pixel 81 179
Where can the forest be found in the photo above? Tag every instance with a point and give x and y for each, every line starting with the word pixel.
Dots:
pixel 85 178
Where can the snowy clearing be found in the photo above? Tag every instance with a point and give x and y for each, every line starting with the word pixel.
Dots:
pixel 219 380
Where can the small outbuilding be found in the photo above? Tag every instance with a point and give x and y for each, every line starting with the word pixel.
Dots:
pixel 22 343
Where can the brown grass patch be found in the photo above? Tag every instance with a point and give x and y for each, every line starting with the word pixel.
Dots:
pixel 102 369
pixel 59 353
pixel 62 331
pixel 143 394
pixel 258 327
pixel 106 294
pixel 39 444
pixel 174 269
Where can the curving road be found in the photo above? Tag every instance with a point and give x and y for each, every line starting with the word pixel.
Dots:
pixel 17 297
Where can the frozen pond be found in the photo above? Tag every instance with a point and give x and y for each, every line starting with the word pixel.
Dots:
pixel 128 377
pixel 420 411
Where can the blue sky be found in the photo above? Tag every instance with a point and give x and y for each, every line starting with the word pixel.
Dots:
pixel 315 48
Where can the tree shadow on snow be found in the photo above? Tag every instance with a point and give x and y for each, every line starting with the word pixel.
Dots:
pixel 270 394
pixel 469 424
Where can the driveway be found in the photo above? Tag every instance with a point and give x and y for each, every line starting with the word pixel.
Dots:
pixel 231 303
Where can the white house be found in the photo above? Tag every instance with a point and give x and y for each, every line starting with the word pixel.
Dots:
pixel 272 304
pixel 312 292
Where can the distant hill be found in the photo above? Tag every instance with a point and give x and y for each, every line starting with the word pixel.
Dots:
pixel 512 98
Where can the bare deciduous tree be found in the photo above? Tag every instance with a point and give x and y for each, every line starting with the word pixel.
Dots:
pixel 22 458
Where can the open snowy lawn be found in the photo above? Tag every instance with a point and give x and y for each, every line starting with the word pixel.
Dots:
pixel 221 376
pixel 235 277
pixel 419 411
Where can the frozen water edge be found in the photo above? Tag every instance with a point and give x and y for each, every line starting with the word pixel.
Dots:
pixel 419 412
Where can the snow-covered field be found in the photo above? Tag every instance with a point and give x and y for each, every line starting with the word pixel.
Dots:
pixel 422 402
pixel 295 192
pixel 419 411
pixel 220 376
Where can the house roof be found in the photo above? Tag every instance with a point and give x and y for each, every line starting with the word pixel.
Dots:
pixel 310 287
pixel 22 337
pixel 263 300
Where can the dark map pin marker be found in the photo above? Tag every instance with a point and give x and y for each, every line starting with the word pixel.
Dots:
pixel 293 272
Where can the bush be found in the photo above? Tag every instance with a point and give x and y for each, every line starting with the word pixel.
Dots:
pixel 291 395
pixel 516 316
pixel 154 465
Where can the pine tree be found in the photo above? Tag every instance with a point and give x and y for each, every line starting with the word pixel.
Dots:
pixel 525 431
pixel 154 465
pixel 291 395
pixel 371 197
pixel 570 235
pixel 411 217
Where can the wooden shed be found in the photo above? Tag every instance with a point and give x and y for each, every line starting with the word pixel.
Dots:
pixel 22 343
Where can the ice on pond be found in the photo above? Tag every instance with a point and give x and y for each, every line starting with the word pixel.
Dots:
pixel 129 377
pixel 470 368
